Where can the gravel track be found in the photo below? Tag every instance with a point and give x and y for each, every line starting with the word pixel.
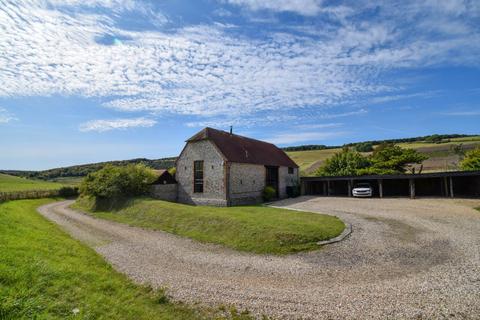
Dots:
pixel 406 259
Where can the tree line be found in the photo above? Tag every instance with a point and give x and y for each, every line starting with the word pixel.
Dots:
pixel 85 169
pixel 367 146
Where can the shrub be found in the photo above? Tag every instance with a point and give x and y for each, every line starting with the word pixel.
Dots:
pixel 113 182
pixel 269 193
pixel 344 163
pixel 364 147
pixel 67 192
pixel 471 160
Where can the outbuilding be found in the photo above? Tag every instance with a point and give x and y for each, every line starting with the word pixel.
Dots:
pixel 464 184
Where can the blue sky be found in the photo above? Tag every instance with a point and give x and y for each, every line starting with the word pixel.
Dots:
pixel 96 80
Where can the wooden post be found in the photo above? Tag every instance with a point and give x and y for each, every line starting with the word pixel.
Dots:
pixel 380 187
pixel 445 184
pixel 349 188
pixel 328 187
pixel 412 188
pixel 451 187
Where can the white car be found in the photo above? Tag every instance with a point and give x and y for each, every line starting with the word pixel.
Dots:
pixel 362 190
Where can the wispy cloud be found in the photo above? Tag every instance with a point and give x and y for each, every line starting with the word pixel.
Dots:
pixel 107 125
pixel 50 47
pixel 317 126
pixel 6 116
pixel 470 113
pixel 303 7
pixel 295 137
pixel 342 114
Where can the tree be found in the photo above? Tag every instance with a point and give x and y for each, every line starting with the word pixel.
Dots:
pixel 364 147
pixel 114 182
pixel 434 138
pixel 392 159
pixel 345 163
pixel 471 160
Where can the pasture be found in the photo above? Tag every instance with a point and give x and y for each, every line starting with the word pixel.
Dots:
pixel 10 183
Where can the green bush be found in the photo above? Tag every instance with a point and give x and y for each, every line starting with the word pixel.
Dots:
pixel 67 192
pixel 364 147
pixel 471 160
pixel 345 163
pixel 269 193
pixel 115 182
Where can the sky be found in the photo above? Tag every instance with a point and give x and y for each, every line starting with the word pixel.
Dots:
pixel 95 80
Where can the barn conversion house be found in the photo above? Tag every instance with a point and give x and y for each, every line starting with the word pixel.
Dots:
pixel 221 168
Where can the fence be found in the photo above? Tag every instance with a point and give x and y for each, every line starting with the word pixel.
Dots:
pixel 36 194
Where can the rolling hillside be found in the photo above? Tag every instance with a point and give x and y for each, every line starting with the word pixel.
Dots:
pixel 10 183
pixel 441 155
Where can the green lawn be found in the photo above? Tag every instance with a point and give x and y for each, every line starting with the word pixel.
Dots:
pixel 45 274
pixel 10 183
pixel 255 229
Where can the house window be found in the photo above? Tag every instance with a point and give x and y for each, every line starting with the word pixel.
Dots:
pixel 198 176
pixel 290 170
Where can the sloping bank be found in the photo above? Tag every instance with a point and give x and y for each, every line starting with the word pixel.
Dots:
pixel 45 274
pixel 254 229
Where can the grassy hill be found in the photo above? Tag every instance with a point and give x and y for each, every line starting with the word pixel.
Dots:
pixel 441 155
pixel 10 183
pixel 72 175
pixel 308 157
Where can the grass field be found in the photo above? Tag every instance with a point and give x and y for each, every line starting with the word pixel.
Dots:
pixel 11 183
pixel 306 159
pixel 441 156
pixel 249 228
pixel 45 274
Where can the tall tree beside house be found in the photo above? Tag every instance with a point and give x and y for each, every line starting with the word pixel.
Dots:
pixel 389 158
pixel 386 159
pixel 471 160
pixel 345 163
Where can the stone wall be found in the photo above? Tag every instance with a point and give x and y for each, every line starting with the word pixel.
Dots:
pixel 287 180
pixel 214 191
pixel 247 182
pixel 166 192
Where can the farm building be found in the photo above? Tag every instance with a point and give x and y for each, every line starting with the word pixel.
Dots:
pixel 439 184
pixel 221 168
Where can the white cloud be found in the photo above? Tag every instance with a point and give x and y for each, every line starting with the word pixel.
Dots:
pixel 207 71
pixel 5 116
pixel 471 113
pixel 317 126
pixel 342 114
pixel 295 137
pixel 303 7
pixel 107 125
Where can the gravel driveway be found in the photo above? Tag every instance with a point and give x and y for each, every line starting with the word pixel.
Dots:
pixel 406 259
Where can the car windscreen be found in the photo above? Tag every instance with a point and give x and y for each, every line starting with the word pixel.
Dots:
pixel 362 185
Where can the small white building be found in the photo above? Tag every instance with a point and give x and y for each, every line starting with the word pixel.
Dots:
pixel 220 168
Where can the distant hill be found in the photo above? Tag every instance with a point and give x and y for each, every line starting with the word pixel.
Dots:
pixel 84 169
pixel 308 157
pixel 439 148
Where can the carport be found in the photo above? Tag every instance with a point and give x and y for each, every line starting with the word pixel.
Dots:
pixel 464 184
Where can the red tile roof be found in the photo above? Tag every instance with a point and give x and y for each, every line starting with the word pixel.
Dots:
pixel 241 149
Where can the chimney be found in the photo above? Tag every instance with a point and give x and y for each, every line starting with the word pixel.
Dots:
pixel 231 129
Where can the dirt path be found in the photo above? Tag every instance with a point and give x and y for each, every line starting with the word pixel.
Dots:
pixel 415 259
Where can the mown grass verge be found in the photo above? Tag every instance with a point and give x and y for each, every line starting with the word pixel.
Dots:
pixel 255 229
pixel 45 274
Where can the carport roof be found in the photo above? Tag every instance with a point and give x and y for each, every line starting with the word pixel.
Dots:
pixel 397 176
